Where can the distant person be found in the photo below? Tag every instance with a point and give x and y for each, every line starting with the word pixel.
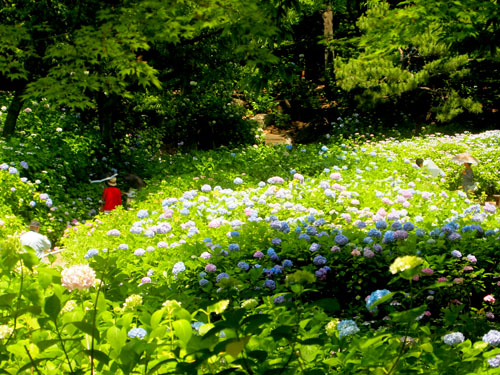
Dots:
pixel 111 196
pixel 136 183
pixel 468 184
pixel 430 166
pixel 35 240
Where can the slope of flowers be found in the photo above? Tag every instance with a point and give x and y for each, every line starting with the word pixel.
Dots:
pixel 369 266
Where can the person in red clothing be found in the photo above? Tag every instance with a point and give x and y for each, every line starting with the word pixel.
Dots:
pixel 112 196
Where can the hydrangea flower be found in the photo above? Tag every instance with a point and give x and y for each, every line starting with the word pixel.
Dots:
pixel 210 268
pixel 375 296
pixel 233 247
pixel 203 282
pixel 221 276
pixel 141 214
pixel 314 247
pixel 453 338
pixel 492 337
pixel 243 265
pixel 78 277
pixel 347 328
pixel 139 333
pixel 270 284
pixel 178 267
pixel 319 260
pixel 91 253
pixel 113 232
pixel 495 361
pixel 456 254
pixel 139 252
pixel 341 240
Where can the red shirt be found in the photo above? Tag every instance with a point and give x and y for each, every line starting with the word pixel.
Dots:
pixel 112 197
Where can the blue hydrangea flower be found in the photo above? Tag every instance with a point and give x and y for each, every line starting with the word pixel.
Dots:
pixel 456 254
pixel 91 253
pixel 388 237
pixel 233 247
pixel 235 233
pixel 178 268
pixel 396 226
pixel 319 260
pixel 276 241
pixel 203 282
pixel 408 226
pixel 114 232
pixel 141 214
pixel 453 338
pixel 287 263
pixel 347 328
pixel 311 231
pixel 221 276
pixel 375 296
pixel 495 361
pixel 381 224
pixel 139 333
pixel 279 299
pixel 341 240
pixel 271 251
pixel 314 247
pixel 243 265
pixel 12 170
pixel 367 240
pixel 304 236
pixel 492 337
pixel 270 284
pixel 374 233
pixel 238 181
pixel 420 232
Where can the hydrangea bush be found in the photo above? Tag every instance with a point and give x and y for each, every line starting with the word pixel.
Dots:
pixel 362 264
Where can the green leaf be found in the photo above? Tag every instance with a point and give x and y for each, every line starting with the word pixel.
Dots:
pixel 427 347
pixel 408 315
pixel 156 318
pixel 86 328
pixel 183 330
pixel 52 307
pixel 218 307
pixel 116 337
pixel 97 354
pixel 236 346
pixel 309 352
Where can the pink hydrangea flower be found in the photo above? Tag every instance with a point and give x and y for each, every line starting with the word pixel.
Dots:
pixel 427 271
pixel 489 298
pixel 258 254
pixel 336 176
pixel 355 253
pixel 210 267
pixel 78 277
pixel 442 280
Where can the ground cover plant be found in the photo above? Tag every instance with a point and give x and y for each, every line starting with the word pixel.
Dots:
pixel 334 258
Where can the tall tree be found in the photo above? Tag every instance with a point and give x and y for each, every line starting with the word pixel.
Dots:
pixel 421 52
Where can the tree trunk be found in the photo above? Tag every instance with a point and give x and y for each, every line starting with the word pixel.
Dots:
pixel 328 34
pixel 15 106
pixel 105 105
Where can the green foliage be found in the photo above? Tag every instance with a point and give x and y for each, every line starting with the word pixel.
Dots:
pixel 422 54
